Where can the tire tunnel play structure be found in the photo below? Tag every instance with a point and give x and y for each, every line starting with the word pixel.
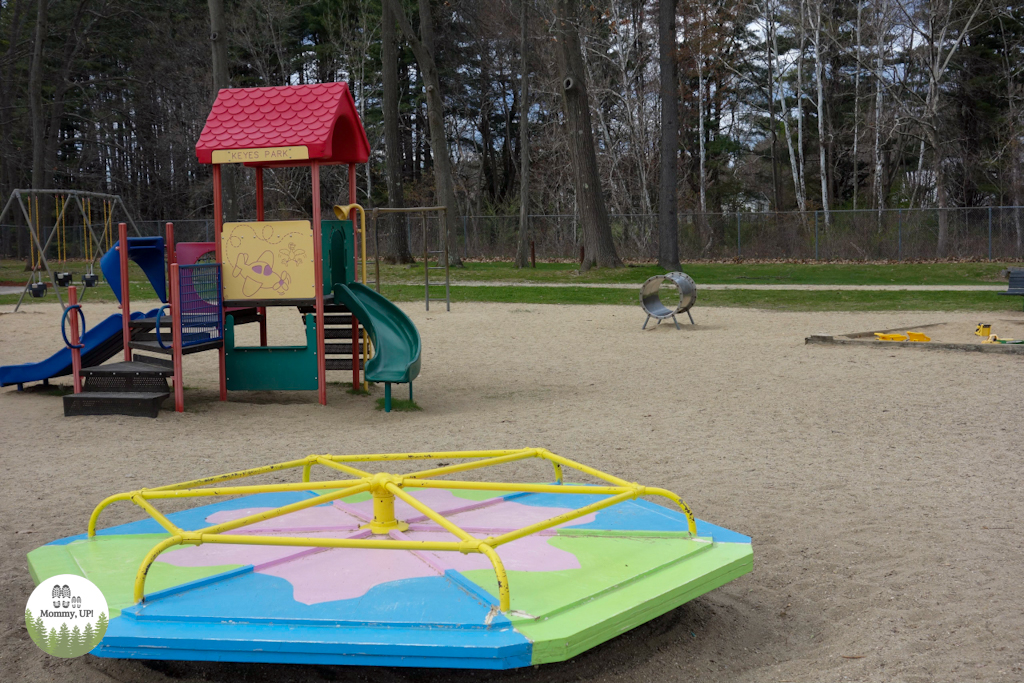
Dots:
pixel 654 307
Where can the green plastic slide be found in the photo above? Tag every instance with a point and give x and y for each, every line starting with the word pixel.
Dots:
pixel 396 341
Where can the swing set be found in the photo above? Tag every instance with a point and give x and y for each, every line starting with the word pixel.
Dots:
pixel 97 239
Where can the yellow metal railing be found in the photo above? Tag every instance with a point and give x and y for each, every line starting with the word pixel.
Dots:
pixel 342 213
pixel 384 488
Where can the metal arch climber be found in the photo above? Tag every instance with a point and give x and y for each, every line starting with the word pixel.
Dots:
pixel 652 304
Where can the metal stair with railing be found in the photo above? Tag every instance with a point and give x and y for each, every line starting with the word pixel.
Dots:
pixel 337 336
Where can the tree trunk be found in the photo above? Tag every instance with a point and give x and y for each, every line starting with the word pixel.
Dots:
pixel 794 162
pixel 599 248
pixel 221 80
pixel 800 104
pixel 522 251
pixel 819 79
pixel 942 245
pixel 879 170
pixel 423 48
pixel 8 172
pixel 856 107
pixel 40 180
pixel 668 224
pixel 769 21
pixel 396 242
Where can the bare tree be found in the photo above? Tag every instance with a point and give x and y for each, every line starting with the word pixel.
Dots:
pixel 795 161
pixel 522 255
pixel 423 48
pixel 599 248
pixel 941 26
pixel 819 82
pixel 856 104
pixel 396 244
pixel 1013 124
pixel 222 80
pixel 39 179
pixel 668 226
pixel 771 28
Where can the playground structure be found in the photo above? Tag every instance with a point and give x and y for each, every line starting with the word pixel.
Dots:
pixel 394 569
pixel 93 245
pixel 209 288
pixel 650 297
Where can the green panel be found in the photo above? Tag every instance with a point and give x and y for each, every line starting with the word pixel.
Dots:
pixel 258 368
pixel 337 267
pixel 622 582
pixel 111 562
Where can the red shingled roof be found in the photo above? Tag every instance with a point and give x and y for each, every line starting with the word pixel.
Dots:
pixel 321 116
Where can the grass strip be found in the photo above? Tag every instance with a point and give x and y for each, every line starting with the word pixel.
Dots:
pixel 944 273
pixel 840 300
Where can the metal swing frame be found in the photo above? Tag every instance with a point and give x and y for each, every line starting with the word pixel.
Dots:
pixel 19 196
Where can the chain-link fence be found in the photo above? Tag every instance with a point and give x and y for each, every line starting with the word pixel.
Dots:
pixel 995 233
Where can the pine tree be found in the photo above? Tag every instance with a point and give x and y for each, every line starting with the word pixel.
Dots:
pixel 51 642
pixel 75 644
pixel 101 627
pixel 63 648
pixel 41 630
pixel 33 630
pixel 88 637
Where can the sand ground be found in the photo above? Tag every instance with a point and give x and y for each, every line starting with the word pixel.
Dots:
pixel 882 487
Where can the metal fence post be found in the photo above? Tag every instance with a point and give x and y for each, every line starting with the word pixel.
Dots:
pixel 816 236
pixel 739 250
pixel 899 234
pixel 465 234
pixel 990 233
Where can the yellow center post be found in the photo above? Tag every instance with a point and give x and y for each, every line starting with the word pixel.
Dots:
pixel 383 488
pixel 384 521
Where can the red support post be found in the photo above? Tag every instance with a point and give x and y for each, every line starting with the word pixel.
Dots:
pixel 356 345
pixel 76 353
pixel 261 311
pixel 171 258
pixel 179 380
pixel 318 285
pixel 126 313
pixel 259 193
pixel 218 225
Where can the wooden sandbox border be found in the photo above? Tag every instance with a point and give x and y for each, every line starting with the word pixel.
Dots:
pixel 865 339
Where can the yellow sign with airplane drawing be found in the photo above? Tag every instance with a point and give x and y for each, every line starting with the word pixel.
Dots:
pixel 260 155
pixel 267 260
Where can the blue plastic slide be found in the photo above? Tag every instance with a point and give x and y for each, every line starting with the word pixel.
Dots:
pixel 101 341
pixel 148 252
